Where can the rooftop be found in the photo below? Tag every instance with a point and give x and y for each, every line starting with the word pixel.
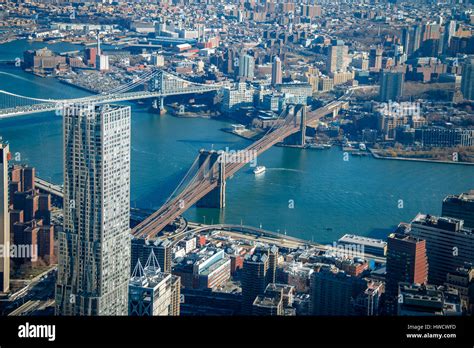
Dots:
pixel 264 301
pixel 467 197
pixel 404 237
pixel 441 222
pixel 285 288
pixel 351 238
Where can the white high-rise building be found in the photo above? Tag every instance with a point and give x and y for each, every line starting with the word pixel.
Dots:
pixel 102 60
pixel 102 63
pixel 338 59
pixel 449 31
pixel 157 60
pixel 247 66
pixel 237 97
pixel 4 220
pixel 94 248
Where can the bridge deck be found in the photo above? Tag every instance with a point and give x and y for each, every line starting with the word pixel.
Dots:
pixel 46 186
pixel 150 227
pixel 170 85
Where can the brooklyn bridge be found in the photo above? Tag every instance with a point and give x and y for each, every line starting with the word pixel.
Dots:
pixel 205 182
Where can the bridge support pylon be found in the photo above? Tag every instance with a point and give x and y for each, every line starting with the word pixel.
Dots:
pixel 298 139
pixel 215 172
pixel 158 105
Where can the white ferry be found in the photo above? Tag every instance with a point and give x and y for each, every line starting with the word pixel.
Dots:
pixel 259 170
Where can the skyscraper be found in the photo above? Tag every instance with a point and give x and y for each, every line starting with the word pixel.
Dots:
pixel 30 218
pixel 333 292
pixel 311 11
pixel 449 245
pixel 427 300
pixel 94 248
pixel 391 85
pixel 460 207
pixel 23 177
pixel 407 41
pixel 276 71
pixel 247 66
pixel 462 279
pixel 254 279
pixel 90 56
pixel 151 291
pixel 4 219
pixel 272 252
pixel 375 58
pixel 467 81
pixel 417 31
pixel 162 248
pixel 406 262
pixel 431 31
pixel 337 57
pixel 449 30
pixel 229 57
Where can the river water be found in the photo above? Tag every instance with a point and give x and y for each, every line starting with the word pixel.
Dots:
pixel 311 194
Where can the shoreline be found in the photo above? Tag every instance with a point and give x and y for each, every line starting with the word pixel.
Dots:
pixel 378 156
pixel 82 88
pixel 253 138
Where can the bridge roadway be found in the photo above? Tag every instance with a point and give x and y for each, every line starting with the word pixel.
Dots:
pixel 46 186
pixel 101 99
pixel 150 227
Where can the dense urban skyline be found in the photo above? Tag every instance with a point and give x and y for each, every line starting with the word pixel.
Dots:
pixel 258 137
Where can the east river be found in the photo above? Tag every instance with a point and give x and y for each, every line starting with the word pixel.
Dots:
pixel 311 194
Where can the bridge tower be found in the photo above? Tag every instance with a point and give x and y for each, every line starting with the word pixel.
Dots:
pixel 297 139
pixel 158 85
pixel 215 171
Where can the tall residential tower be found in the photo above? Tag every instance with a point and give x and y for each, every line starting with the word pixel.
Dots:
pixel 391 85
pixel 94 248
pixel 4 219
pixel 247 66
pixel 276 71
pixel 467 81
pixel 337 59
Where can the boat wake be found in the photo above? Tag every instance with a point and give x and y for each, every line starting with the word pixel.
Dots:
pixel 286 170
pixel 15 76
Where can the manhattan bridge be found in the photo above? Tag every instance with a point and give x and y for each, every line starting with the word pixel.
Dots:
pixel 160 84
